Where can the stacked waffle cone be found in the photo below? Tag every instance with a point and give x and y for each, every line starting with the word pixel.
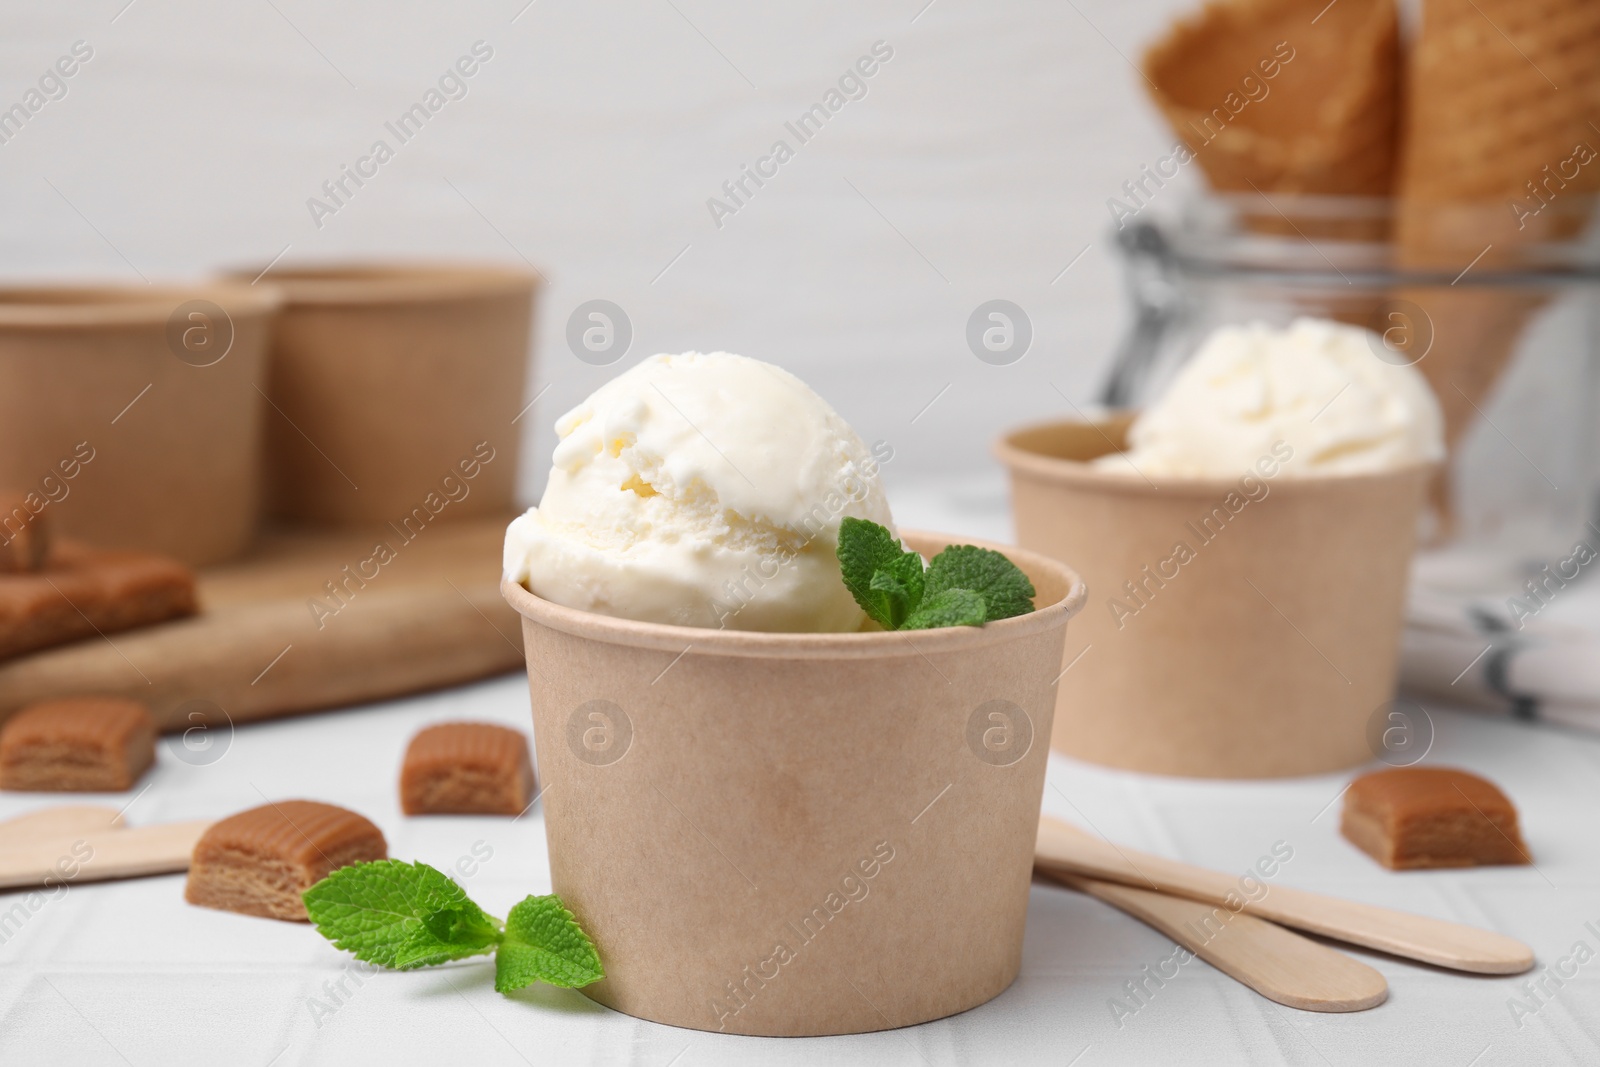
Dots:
pixel 1494 148
pixel 1270 102
pixel 1501 94
pixel 1498 91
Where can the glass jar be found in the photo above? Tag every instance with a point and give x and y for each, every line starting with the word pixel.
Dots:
pixel 1508 336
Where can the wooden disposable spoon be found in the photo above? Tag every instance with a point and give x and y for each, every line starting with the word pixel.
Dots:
pixel 62 819
pixel 1277 963
pixel 1063 848
pixel 73 844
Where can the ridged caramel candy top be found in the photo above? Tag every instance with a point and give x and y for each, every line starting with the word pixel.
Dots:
pixel 300 832
pixel 1405 792
pixel 467 744
pixel 105 722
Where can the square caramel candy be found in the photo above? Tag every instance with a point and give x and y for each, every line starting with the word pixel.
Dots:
pixel 258 862
pixel 466 768
pixel 83 745
pixel 81 592
pixel 1413 817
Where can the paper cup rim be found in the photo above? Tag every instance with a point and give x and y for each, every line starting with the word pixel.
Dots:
pixel 353 283
pixel 871 645
pixel 75 305
pixel 1020 459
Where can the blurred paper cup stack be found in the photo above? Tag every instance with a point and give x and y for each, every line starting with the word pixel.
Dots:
pixel 792 834
pixel 385 379
pixel 129 417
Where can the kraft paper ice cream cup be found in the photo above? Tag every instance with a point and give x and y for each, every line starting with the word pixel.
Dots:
pixel 1236 628
pixel 129 417
pixel 796 834
pixel 385 380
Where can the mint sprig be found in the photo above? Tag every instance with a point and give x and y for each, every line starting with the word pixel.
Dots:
pixel 544 943
pixel 408 915
pixel 963 586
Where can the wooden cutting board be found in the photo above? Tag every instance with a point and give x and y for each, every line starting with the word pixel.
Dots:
pixel 429 615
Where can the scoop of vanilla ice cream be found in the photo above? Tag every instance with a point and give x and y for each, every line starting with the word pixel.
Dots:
pixel 700 490
pixel 1317 386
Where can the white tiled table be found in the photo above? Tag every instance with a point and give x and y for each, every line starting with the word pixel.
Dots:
pixel 129 973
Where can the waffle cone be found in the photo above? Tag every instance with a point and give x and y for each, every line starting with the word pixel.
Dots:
pixel 1497 91
pixel 1327 119
pixel 1497 121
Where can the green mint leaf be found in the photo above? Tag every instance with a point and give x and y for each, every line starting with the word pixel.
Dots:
pixel 399 915
pixel 948 607
pixel 448 934
pixel 908 570
pixel 544 943
pixel 1005 589
pixel 890 598
pixel 897 589
pixel 865 548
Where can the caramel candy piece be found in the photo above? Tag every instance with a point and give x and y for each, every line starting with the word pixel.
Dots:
pixel 258 862
pixel 1413 817
pixel 82 592
pixel 24 534
pixel 83 745
pixel 466 768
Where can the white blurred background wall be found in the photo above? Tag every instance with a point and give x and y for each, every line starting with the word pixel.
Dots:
pixel 976 166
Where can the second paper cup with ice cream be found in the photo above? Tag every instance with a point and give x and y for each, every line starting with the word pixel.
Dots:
pixel 1243 628
pixel 792 834
pixel 1243 624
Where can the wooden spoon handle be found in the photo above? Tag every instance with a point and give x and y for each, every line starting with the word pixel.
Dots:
pixel 97 855
pixel 1277 963
pixel 1445 944
pixel 58 821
